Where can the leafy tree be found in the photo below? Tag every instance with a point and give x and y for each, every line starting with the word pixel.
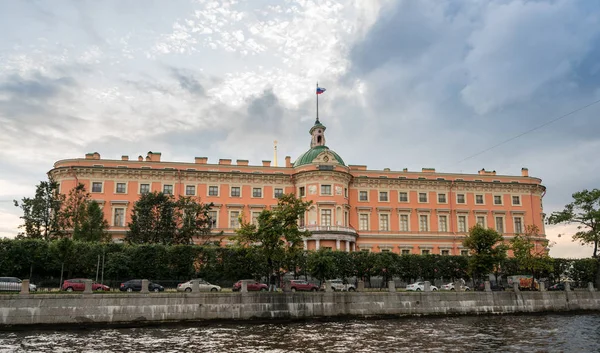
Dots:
pixel 193 220
pixel 152 220
pixel 276 231
pixel 41 214
pixel 94 226
pixel 386 266
pixel 321 265
pixel 585 211
pixel 363 264
pixel 73 211
pixel 486 248
pixel 530 256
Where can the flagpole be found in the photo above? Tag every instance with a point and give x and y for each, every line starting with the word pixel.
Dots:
pixel 317 100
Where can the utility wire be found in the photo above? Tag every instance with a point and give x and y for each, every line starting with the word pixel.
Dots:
pixel 531 130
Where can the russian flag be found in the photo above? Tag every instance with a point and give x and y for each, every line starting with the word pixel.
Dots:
pixel 320 90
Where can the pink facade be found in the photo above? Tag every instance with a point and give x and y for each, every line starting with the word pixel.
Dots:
pixel 353 208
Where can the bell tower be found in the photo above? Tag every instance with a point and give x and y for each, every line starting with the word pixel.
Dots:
pixel 318 134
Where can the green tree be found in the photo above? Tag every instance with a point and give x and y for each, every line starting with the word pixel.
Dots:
pixel 152 220
pixel 41 214
pixel 486 248
pixel 584 211
pixel 276 231
pixel 531 256
pixel 73 211
pixel 94 226
pixel 321 265
pixel 192 220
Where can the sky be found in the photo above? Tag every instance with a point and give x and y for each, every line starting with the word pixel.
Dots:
pixel 410 84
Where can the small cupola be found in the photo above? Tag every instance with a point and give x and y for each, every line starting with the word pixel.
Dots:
pixel 318 134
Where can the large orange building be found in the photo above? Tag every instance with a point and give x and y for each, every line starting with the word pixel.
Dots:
pixel 353 208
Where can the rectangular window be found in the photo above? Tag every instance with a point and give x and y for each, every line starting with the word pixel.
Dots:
pixel 445 252
pixel 383 196
pixel 497 200
pixel 462 224
pixel 301 220
pixel 325 189
pixel 404 223
pixel 346 192
pixel 190 190
pixel 516 200
pixel 363 196
pixel 479 199
pixel 256 192
pixel 119 220
pixel 234 221
pixel 236 191
pixel 423 223
pixel 363 221
pixel 255 217
pixel 168 189
pixel 212 215
pixel 500 225
pixel 441 198
pixel 405 252
pixel 213 191
pixel 518 225
pixel 481 221
pixel 460 198
pixel 302 191
pixel 425 252
pixel 121 188
pixel 464 253
pixel 422 197
pixel 278 193
pixel 384 222
pixel 144 188
pixel 326 218
pixel 403 196
pixel 443 223
pixel 96 186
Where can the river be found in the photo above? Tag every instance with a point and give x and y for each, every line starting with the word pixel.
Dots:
pixel 508 333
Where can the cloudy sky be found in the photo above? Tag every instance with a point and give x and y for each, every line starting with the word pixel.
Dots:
pixel 409 84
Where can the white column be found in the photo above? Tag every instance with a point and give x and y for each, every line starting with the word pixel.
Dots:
pixel 317 244
pixel 354 246
pixel 337 244
pixel 347 246
pixel 306 245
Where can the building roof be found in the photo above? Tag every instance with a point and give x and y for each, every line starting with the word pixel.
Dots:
pixel 308 156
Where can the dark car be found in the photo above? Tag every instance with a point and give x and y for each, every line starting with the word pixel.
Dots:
pixel 135 285
pixel 559 286
pixel 252 286
pixel 494 287
pixel 78 284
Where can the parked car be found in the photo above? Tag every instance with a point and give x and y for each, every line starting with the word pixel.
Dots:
pixel 135 285
pixel 419 286
pixel 450 286
pixel 78 284
pixel 202 284
pixel 13 284
pixel 338 285
pixel 493 286
pixel 559 286
pixel 252 285
pixel 301 285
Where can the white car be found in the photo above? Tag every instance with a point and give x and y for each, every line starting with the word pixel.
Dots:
pixel 338 286
pixel 450 286
pixel 204 286
pixel 419 286
pixel 13 284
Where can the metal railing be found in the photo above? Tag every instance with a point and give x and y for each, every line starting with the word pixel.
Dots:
pixel 319 228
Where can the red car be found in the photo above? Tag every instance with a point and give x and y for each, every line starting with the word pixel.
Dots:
pixel 78 284
pixel 252 286
pixel 300 285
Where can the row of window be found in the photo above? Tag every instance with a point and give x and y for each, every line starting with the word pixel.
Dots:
pixel 190 190
pixel 445 252
pixel 462 225
pixel 363 196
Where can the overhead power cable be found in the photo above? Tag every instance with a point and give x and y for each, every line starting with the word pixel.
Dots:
pixel 530 130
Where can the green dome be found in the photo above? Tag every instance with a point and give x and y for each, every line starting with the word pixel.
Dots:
pixel 308 156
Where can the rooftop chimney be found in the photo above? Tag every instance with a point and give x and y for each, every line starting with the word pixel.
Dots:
pixel 524 172
pixel 140 158
pixel 201 160
pixel 225 161
pixel 242 162
pixel 266 163
pixel 428 170
pixel 405 170
pixel 124 158
pixel 288 161
pixel 154 156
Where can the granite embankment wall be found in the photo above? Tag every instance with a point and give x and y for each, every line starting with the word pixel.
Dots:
pixel 136 308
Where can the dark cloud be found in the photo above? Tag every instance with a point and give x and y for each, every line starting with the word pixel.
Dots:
pixel 36 87
pixel 188 81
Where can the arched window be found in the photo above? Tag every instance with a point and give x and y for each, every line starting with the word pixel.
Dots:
pixel 318 139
